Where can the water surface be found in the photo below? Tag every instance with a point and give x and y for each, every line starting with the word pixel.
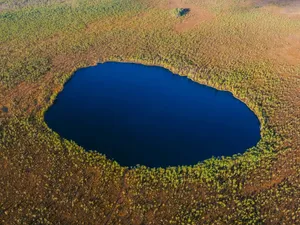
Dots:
pixel 146 115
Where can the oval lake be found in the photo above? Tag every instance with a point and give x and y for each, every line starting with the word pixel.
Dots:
pixel 147 115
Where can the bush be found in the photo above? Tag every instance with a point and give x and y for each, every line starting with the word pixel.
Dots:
pixel 178 12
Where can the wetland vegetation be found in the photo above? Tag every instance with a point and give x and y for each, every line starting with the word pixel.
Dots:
pixel 246 47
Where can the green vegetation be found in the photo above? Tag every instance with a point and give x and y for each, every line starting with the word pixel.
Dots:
pixel 178 12
pixel 233 46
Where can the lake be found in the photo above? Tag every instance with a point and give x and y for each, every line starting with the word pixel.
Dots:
pixel 147 115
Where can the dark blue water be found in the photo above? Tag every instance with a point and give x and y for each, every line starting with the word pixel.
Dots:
pixel 146 115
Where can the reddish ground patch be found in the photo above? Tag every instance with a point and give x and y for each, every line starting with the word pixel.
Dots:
pixel 2 7
pixel 289 52
pixel 195 16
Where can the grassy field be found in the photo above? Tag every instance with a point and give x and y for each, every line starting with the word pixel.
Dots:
pixel 248 47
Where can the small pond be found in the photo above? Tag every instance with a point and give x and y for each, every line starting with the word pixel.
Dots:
pixel 146 115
